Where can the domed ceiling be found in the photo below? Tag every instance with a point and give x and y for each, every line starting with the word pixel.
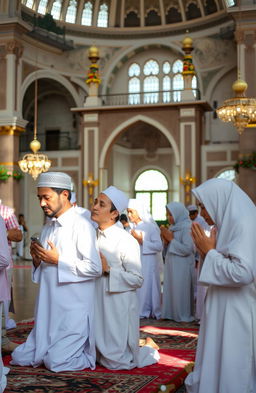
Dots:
pixel 128 14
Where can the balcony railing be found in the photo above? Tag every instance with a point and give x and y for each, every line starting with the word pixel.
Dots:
pixel 151 98
pixel 66 140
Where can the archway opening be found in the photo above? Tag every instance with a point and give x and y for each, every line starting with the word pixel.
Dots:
pixel 57 126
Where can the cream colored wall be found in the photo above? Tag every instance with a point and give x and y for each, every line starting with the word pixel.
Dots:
pixel 218 131
pixel 61 118
pixel 122 161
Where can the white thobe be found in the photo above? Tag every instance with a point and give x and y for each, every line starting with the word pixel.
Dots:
pixel 116 305
pixel 178 292
pixel 225 359
pixel 150 292
pixel 63 335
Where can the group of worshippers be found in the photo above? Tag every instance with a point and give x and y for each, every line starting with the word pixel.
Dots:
pixel 79 268
pixel 87 306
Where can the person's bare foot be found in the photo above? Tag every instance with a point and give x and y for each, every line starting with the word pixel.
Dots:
pixel 9 347
pixel 151 343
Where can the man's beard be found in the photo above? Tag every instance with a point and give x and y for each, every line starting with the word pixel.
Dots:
pixel 53 213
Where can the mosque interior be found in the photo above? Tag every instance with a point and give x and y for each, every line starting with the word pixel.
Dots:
pixel 127 94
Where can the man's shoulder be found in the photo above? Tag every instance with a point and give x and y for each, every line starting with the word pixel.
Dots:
pixel 6 211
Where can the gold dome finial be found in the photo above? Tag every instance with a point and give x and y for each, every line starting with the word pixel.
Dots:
pixel 93 53
pixel 187 45
pixel 35 146
pixel 239 87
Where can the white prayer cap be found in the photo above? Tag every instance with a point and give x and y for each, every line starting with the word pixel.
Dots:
pixel 118 197
pixel 73 197
pixel 192 208
pixel 55 180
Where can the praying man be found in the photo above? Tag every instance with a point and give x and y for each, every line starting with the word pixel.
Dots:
pixel 66 264
pixel 116 301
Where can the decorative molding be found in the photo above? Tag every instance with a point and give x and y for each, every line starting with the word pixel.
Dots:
pixel 11 163
pixel 11 130
pixel 14 47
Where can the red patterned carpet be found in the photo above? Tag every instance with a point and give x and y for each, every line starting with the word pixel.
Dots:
pixel 177 350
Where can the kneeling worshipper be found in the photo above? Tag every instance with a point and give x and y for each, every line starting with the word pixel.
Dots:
pixel 66 263
pixel 146 231
pixel 116 302
pixel 226 350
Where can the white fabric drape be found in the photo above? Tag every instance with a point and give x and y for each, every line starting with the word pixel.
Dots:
pixel 226 352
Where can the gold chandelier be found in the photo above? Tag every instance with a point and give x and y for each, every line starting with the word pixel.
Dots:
pixel 35 163
pixel 240 110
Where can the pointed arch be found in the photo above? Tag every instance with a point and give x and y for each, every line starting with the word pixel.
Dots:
pixel 49 75
pixel 128 123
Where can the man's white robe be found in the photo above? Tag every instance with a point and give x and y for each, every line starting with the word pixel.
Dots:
pixel 63 336
pixel 116 304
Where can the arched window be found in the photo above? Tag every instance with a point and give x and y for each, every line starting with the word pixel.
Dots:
pixel 56 8
pixel 155 78
pixel 228 174
pixel 166 82
pixel 152 188
pixel 71 12
pixel 178 84
pixel 151 68
pixel 103 16
pixel 194 85
pixel 134 84
pixel 177 67
pixel 42 6
pixel 87 14
pixel 134 87
pixel 151 82
pixel 29 3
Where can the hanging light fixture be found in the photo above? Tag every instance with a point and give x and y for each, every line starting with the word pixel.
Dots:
pixel 35 163
pixel 240 110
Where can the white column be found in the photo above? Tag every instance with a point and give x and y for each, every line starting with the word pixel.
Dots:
pixel 11 82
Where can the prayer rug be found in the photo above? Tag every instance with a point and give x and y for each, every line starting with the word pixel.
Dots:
pixel 177 351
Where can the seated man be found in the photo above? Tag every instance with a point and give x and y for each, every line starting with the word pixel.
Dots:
pixel 66 263
pixel 116 303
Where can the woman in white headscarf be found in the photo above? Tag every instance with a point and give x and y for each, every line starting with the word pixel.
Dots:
pixel 178 293
pixel 226 352
pixel 147 233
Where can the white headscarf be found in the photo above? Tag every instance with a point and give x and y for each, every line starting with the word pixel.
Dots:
pixel 142 211
pixel 180 215
pixel 234 215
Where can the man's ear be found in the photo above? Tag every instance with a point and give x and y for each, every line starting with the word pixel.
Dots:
pixel 65 193
pixel 115 214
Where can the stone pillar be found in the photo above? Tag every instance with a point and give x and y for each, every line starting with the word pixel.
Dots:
pixel 246 52
pixel 90 158
pixel 11 122
pixel 188 70
pixel 189 153
pixel 93 79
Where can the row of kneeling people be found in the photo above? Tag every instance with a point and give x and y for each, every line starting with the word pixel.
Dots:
pixel 90 282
